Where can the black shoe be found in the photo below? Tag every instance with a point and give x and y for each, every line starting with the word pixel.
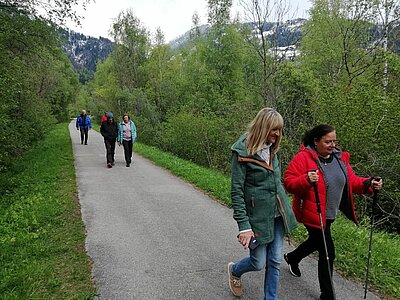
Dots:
pixel 294 268
pixel 113 163
pixel 128 165
pixel 109 165
pixel 82 143
pixel 85 143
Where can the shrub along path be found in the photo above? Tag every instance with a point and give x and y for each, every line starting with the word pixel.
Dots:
pixel 154 236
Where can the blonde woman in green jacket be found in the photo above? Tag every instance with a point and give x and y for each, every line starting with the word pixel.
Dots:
pixel 260 204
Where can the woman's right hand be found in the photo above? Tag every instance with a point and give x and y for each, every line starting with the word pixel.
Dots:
pixel 312 176
pixel 244 238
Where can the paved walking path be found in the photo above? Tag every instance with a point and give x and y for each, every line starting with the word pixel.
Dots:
pixel 154 236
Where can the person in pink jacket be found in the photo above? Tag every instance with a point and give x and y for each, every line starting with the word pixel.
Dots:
pixel 321 162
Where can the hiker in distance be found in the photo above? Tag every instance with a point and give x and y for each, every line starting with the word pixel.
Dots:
pixel 260 204
pixel 104 117
pixel 109 131
pixel 126 137
pixel 83 124
pixel 320 162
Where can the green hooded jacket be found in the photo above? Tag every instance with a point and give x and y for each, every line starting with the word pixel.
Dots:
pixel 257 193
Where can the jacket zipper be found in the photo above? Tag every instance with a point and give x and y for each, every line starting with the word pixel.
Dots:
pixel 285 222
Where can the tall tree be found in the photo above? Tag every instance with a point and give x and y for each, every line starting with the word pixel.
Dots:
pixel 219 12
pixel 132 48
pixel 265 39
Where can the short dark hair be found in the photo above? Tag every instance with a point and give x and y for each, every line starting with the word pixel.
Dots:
pixel 127 116
pixel 316 134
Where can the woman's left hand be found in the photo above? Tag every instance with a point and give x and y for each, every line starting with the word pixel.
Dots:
pixel 244 238
pixel 376 185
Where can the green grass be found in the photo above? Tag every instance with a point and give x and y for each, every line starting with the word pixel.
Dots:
pixel 41 232
pixel 351 242
pixel 211 181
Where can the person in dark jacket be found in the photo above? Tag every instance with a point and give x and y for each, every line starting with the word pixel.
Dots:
pixel 109 130
pixel 127 137
pixel 260 204
pixel 321 162
pixel 83 124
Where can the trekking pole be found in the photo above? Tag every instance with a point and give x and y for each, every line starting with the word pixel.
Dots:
pixel 372 221
pixel 315 186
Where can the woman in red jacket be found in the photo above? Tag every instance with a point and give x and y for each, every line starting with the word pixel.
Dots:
pixel 321 162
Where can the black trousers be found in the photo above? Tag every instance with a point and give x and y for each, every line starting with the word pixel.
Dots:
pixel 127 150
pixel 315 242
pixel 110 150
pixel 84 134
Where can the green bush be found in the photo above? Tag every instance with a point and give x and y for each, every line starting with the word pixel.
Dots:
pixel 201 139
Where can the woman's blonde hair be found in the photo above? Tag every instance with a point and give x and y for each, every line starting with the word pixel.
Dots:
pixel 259 129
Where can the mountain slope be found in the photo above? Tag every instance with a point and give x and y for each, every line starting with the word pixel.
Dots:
pixel 85 52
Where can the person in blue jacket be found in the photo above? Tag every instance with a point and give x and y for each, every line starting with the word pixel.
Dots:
pixel 127 137
pixel 83 124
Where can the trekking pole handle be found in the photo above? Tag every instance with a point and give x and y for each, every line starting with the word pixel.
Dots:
pixel 376 178
pixel 375 196
pixel 315 187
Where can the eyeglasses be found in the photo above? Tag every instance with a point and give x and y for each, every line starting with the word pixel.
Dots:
pixel 333 142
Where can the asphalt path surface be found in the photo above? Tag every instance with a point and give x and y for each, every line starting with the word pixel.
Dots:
pixel 153 236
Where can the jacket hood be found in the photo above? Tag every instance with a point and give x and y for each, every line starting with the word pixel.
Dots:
pixel 240 146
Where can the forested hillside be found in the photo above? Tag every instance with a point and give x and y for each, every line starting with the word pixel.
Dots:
pixel 195 100
pixel 85 52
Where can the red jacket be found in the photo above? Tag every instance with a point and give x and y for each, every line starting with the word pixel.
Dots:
pixel 304 201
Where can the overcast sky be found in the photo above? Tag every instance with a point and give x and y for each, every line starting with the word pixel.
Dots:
pixel 174 17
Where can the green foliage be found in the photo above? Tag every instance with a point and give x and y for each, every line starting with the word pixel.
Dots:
pixel 56 11
pixel 41 232
pixel 36 82
pixel 352 245
pixel 131 49
pixel 347 92
pixel 162 86
pixel 193 136
pixel 219 12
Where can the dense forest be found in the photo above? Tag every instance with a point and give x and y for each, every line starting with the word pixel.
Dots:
pixel 37 81
pixel 195 100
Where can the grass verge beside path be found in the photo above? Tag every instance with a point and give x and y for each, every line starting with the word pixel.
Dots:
pixel 351 242
pixel 42 235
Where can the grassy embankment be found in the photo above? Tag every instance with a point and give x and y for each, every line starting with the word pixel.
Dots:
pixel 351 242
pixel 42 236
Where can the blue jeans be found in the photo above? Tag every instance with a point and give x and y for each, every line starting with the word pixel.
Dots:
pixel 268 256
